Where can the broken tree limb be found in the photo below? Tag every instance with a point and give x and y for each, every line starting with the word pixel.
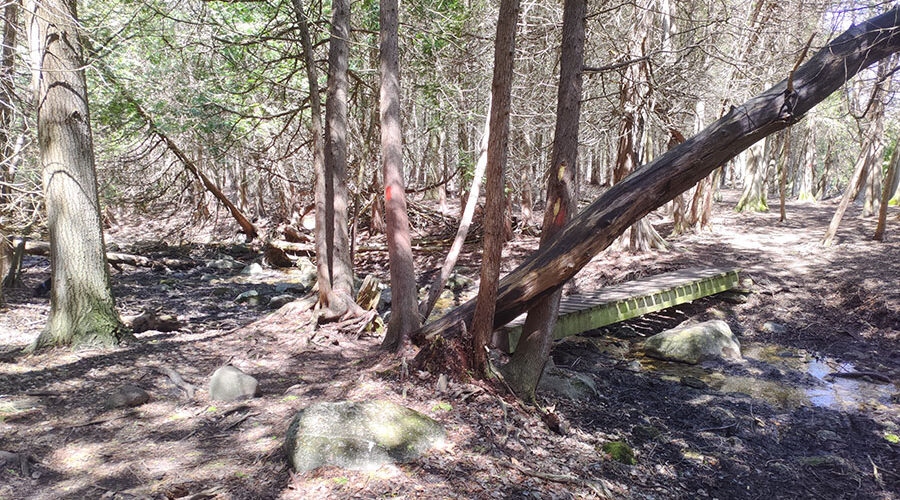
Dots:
pixel 675 171
pixel 440 280
pixel 246 226
pixel 43 248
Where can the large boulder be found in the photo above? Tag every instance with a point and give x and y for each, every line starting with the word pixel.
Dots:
pixel 229 383
pixel 694 343
pixel 358 435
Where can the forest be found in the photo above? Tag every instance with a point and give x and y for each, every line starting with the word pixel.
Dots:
pixel 449 249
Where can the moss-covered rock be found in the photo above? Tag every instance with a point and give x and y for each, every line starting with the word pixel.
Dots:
pixel 358 435
pixel 695 343
pixel 620 452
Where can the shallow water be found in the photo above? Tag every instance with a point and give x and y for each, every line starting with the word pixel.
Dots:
pixel 787 378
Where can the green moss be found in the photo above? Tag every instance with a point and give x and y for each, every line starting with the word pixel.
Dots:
pixel 620 452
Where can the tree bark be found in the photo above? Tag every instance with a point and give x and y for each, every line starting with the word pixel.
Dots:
pixel 808 167
pixel 323 270
pixel 336 222
pixel 404 311
pixel 82 308
pixel 785 163
pixel 869 158
pixel 886 192
pixel 525 367
pixel 7 76
pixel 656 183
pixel 497 152
pixel 754 195
pixel 5 260
pixel 7 95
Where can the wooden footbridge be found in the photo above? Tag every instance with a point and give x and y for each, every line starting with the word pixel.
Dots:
pixel 583 312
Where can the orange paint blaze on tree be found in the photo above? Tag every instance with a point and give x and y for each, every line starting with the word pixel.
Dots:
pixel 560 217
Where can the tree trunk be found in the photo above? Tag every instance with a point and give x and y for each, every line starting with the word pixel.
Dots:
pixel 7 171
pixel 404 310
pixel 523 372
pixel 808 167
pixel 856 180
pixel 544 271
pixel 5 260
pixel 874 169
pixel 468 212
pixel 7 95
pixel 336 223
pixel 323 270
pixel 886 192
pixel 82 308
pixel 822 185
pixel 753 197
pixel 870 157
pixel 785 163
pixel 497 152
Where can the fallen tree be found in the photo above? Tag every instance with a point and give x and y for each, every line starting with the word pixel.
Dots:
pixel 661 180
pixel 43 248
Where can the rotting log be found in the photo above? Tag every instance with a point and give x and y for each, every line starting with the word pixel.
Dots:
pixel 43 248
pixel 672 173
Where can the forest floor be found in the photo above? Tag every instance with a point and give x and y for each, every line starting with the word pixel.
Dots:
pixel 771 426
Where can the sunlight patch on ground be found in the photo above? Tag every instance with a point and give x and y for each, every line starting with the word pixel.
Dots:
pixel 79 457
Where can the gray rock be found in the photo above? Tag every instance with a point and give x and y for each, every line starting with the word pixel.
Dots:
pixel 735 297
pixel 358 435
pixel 695 343
pixel 385 301
pixel 229 383
pixel 287 287
pixel 127 396
pixel 694 382
pixel 824 435
pixel 226 263
pixel 307 276
pixel 250 297
pixel 280 300
pixel 571 385
pixel 253 269
pixel 773 327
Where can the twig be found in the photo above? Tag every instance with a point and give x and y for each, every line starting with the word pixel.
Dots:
pixel 859 374
pixel 177 379
pixel 790 80
pixel 98 421
pixel 239 421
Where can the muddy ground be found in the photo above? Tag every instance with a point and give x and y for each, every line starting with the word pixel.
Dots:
pixel 773 426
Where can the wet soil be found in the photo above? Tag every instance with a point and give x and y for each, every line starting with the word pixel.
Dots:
pixel 695 432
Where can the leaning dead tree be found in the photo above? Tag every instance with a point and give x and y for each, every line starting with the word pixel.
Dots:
pixel 659 181
pixel 247 227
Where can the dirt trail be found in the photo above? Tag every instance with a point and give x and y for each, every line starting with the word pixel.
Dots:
pixel 689 442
